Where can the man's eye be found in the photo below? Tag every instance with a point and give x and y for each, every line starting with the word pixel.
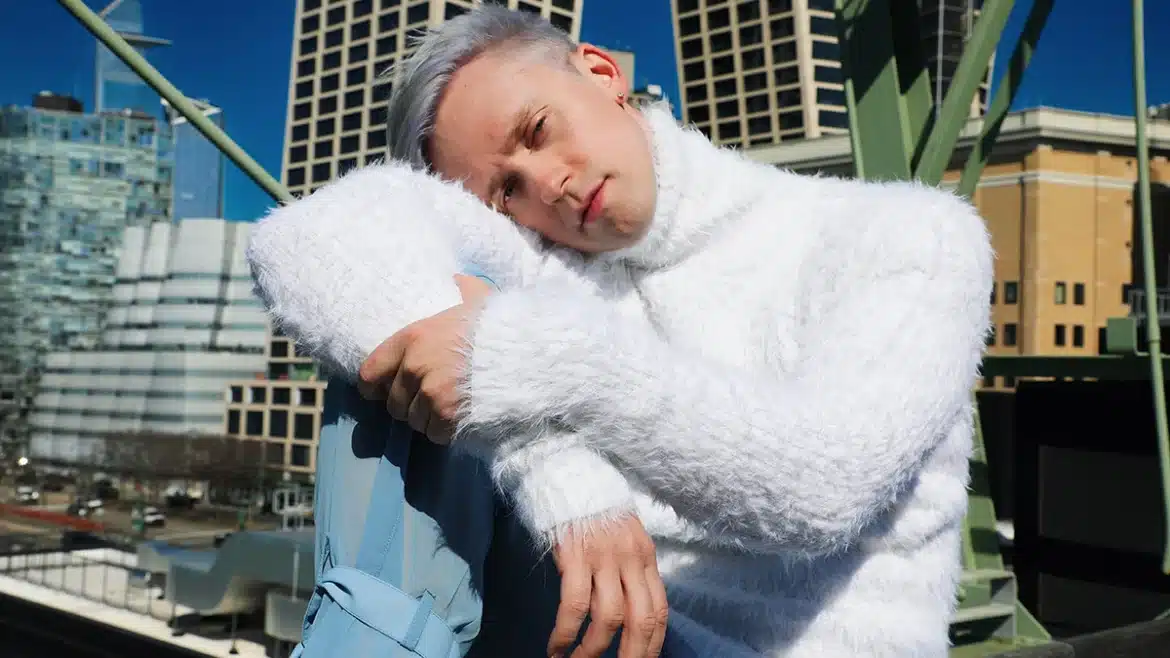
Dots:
pixel 536 130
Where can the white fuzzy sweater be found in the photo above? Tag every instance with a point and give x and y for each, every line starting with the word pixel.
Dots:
pixel 777 379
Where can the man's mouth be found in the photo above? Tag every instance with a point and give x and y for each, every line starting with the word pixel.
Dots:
pixel 593 205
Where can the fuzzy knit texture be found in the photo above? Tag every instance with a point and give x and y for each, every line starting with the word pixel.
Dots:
pixel 778 376
pixel 344 268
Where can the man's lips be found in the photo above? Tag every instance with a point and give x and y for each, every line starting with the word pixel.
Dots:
pixel 594 203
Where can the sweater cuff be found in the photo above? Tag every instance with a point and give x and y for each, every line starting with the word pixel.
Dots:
pixel 559 487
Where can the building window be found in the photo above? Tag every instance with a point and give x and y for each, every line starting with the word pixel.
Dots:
pixel 1011 292
pixel 994 287
pixel 254 423
pixel 274 454
pixel 826 50
pixel 562 21
pixel 1079 294
pixel 1078 335
pixel 359 30
pixel 281 395
pixel 1009 334
pixel 300 456
pixel 258 395
pixel 1061 293
pixel 303 427
pixel 417 13
pixel 237 394
pixel 307 397
pixel 1059 337
pixel 782 27
pixel 277 423
pixel 991 337
pixel 233 425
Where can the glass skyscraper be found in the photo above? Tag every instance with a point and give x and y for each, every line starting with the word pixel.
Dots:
pixel 199 166
pixel 69 184
pixel 116 87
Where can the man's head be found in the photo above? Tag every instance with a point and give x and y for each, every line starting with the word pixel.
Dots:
pixel 532 124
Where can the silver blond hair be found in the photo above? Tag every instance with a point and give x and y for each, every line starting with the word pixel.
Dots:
pixel 418 84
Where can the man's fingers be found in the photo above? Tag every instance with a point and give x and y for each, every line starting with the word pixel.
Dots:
pixel 381 365
pixel 576 594
pixel 660 609
pixel 439 431
pixel 607 613
pixel 640 623
pixel 472 288
pixel 371 391
pixel 418 415
pixel 402 393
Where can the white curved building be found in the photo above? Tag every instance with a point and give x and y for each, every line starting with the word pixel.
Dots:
pixel 184 324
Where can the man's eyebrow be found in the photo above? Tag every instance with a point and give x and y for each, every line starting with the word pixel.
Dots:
pixel 515 136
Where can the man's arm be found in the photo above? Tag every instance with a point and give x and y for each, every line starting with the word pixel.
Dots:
pixel 801 461
pixel 344 268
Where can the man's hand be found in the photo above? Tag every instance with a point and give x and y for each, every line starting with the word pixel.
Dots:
pixel 612 576
pixel 417 369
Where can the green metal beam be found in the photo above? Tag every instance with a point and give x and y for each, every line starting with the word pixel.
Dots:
pixel 1149 268
pixel 880 131
pixel 917 99
pixel 956 107
pixel 1109 367
pixel 1005 95
pixel 112 40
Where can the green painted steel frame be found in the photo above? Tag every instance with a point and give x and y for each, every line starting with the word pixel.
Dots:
pixel 137 63
pixel 895 134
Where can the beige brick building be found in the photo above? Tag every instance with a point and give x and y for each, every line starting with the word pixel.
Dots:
pixel 282 408
pixel 1058 196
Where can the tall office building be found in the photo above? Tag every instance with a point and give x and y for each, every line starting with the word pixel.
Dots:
pixel 756 72
pixel 185 323
pixel 336 114
pixel 116 87
pixel 70 183
pixel 199 165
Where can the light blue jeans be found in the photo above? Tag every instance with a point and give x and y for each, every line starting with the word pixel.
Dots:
pixel 417 557
pixel 455 557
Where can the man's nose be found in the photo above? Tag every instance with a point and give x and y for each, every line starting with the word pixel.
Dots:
pixel 551 182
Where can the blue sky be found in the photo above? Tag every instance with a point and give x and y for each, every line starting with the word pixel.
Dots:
pixel 236 53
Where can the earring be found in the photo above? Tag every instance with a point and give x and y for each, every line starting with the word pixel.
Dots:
pixel 621 97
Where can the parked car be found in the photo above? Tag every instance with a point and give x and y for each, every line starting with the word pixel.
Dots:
pixel 153 517
pixel 28 495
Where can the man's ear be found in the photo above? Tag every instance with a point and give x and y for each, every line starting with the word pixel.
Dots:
pixel 601 67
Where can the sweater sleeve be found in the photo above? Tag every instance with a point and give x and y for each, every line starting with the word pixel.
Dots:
pixel 800 460
pixel 339 273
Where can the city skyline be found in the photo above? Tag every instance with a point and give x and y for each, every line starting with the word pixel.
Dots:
pixel 256 47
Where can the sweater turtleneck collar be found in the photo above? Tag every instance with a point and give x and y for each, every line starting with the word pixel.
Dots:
pixel 700 187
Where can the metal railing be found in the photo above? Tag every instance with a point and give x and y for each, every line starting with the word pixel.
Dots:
pixel 1139 309
pixel 109 576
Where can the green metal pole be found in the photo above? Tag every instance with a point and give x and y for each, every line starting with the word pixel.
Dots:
pixel 1153 328
pixel 1005 94
pixel 956 106
pixel 152 77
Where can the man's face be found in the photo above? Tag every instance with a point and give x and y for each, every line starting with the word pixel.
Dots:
pixel 551 146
